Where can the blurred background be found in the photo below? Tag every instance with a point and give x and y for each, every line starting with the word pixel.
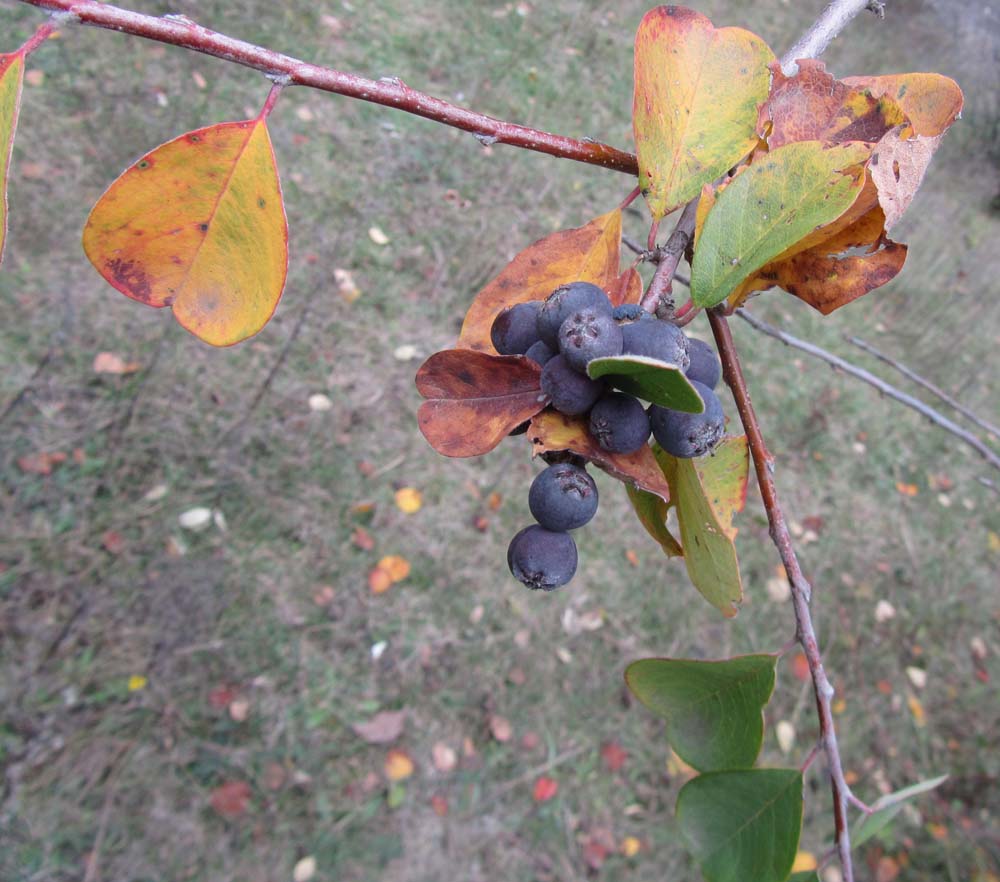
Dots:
pixel 236 701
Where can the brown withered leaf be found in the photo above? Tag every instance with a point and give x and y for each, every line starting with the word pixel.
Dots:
pixel 474 399
pixel 931 102
pixel 231 799
pixel 897 167
pixel 815 106
pixel 827 276
pixel 384 728
pixel 590 253
pixel 553 431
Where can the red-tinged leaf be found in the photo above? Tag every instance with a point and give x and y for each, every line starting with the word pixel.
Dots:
pixel 613 755
pixel 40 463
pixel 545 789
pixel 708 492
pixel 800 667
pixel 11 83
pixel 474 399
pixel 553 431
pixel 815 106
pixel 627 289
pixel 113 542
pixel 439 804
pixel 931 102
pixel 384 728
pixel 221 697
pixel 198 225
pixel 830 275
pixel 590 253
pixel 697 89
pixel 231 799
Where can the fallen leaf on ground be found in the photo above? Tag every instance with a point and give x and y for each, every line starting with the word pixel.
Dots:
pixel 545 789
pixel 231 799
pixel 397 567
pixel 109 363
pixel 40 463
pixel 379 580
pixel 398 765
pixel 614 755
pixel 630 846
pixel 444 757
pixel 383 728
pixel 239 710
pixel 409 500
pixel 113 542
pixel 804 861
pixel 800 667
pixel 500 728
pixel 439 804
pixel 304 869
pixel 136 682
pixel 377 236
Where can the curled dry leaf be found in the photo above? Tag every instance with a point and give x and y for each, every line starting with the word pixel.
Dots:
pixel 231 799
pixel 384 728
pixel 474 400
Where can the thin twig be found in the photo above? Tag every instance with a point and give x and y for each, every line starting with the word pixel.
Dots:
pixel 388 91
pixel 885 388
pixel 18 397
pixel 831 22
pixel 658 297
pixel 801 590
pixel 926 384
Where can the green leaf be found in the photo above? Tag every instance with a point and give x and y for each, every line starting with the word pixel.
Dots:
pixel 652 513
pixel 887 807
pixel 657 382
pixel 805 876
pixel 694 112
pixel 11 81
pixel 708 491
pixel 768 208
pixel 714 709
pixel 743 826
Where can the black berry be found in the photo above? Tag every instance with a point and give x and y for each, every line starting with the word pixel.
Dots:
pixel 689 434
pixel 563 497
pixel 588 334
pixel 516 328
pixel 704 367
pixel 564 301
pixel 542 559
pixel 619 423
pixel 660 340
pixel 570 392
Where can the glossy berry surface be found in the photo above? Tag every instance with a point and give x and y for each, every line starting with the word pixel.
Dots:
pixel 564 301
pixel 588 334
pixel 685 435
pixel 660 340
pixel 570 392
pixel 542 559
pixel 563 497
pixel 619 423
pixel 704 367
pixel 515 329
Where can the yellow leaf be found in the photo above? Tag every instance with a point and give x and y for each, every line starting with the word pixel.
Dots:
pixel 11 80
pixel 136 682
pixel 907 489
pixel 409 499
pixel 676 767
pixel 631 846
pixel 917 709
pixel 398 765
pixel 397 568
pixel 993 541
pixel 198 225
pixel 804 861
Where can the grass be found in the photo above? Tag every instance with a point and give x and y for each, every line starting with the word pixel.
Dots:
pixel 94 771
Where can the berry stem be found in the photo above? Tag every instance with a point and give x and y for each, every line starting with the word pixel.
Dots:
pixel 801 591
pixel 42 33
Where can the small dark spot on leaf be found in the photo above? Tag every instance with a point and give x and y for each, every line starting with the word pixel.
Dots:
pixel 143 164
pixel 194 139
pixel 262 202
pixel 203 227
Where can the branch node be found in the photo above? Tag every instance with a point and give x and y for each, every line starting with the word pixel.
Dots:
pixel 485 140
pixel 876 7
pixel 279 79
pixel 179 18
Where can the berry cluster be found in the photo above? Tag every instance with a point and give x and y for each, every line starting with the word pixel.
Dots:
pixel 574 325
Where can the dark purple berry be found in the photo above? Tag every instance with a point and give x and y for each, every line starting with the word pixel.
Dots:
pixel 539 352
pixel 619 423
pixel 564 301
pixel 542 559
pixel 588 334
pixel 516 328
pixel 570 392
pixel 689 434
pixel 630 312
pixel 660 340
pixel 704 367
pixel 563 497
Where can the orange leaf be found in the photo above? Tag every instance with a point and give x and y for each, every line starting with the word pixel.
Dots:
pixel 409 500
pixel 11 83
pixel 397 567
pixel 231 799
pixel 553 431
pixel 614 755
pixel 398 765
pixel 545 789
pixel 109 363
pixel 198 225
pixel 800 667
pixel 931 102
pixel 379 580
pixel 814 106
pixel 589 253
pixel 475 399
